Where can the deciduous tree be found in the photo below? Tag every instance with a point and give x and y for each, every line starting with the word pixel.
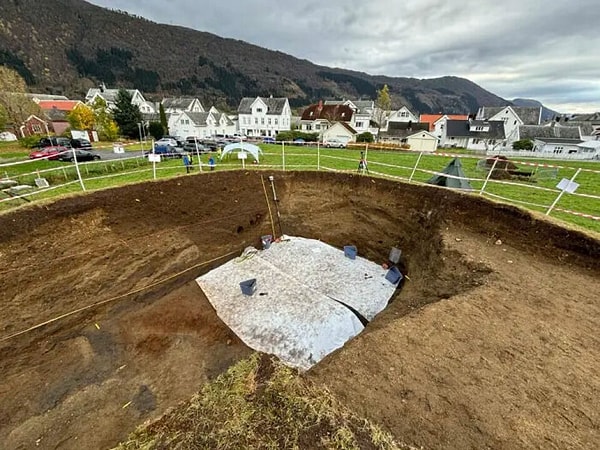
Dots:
pixel 156 130
pixel 383 105
pixel 81 118
pixel 104 124
pixel 17 106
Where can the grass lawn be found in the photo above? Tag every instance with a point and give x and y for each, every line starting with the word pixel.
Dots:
pixel 381 163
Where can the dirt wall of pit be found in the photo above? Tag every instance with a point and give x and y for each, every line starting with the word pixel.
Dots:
pixel 113 244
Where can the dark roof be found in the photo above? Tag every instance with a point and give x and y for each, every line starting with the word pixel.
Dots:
pixel 402 129
pixel 177 102
pixel 363 106
pixel 274 105
pixel 332 113
pixel 199 118
pixel 462 128
pixel 539 131
pixel 553 140
pixel 55 115
pixel 586 127
pixel 528 115
pixel 594 117
pixel 151 117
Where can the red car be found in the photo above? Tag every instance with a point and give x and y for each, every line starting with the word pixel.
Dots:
pixel 48 152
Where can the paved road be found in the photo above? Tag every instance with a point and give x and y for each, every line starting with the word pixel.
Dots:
pixel 108 154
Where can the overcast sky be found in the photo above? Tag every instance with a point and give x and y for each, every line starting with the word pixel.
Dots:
pixel 541 49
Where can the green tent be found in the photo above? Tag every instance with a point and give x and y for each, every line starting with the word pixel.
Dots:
pixel 454 169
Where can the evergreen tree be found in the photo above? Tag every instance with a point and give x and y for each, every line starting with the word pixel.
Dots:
pixel 156 130
pixel 163 119
pixel 127 115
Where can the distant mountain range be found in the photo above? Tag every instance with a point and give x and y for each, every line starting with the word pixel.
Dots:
pixel 547 113
pixel 68 46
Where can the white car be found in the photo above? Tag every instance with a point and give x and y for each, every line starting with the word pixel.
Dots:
pixel 167 141
pixel 334 143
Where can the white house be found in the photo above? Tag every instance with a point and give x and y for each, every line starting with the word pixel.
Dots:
pixel 110 97
pixel 482 135
pixel 437 123
pixel 318 117
pixel 513 117
pixel 363 112
pixel 177 105
pixel 556 147
pixel 262 116
pixel 414 135
pixel 341 131
pixel 201 124
pixel 403 115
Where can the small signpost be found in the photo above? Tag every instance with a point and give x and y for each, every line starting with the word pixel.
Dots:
pixel 153 157
pixel 243 156
pixel 565 185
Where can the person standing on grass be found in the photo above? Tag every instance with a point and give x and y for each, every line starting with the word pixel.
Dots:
pixel 362 164
pixel 187 162
pixel 211 162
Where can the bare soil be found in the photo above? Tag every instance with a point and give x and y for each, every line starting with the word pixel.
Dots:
pixel 488 344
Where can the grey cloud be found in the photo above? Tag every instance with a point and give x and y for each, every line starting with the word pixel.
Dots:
pixel 530 48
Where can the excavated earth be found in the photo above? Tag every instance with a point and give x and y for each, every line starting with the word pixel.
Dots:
pixel 493 341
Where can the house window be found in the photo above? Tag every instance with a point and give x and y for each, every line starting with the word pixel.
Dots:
pixel 262 120
pixel 269 121
pixel 475 141
pixel 309 127
pixel 317 127
pixel 359 124
pixel 258 110
pixel 276 121
pixel 36 127
pixel 256 121
pixel 403 114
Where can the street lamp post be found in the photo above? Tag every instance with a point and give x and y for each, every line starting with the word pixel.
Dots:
pixel 141 142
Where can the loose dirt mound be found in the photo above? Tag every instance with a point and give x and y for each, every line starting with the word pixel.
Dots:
pixel 509 359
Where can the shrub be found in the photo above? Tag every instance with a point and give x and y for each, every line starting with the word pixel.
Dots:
pixel 523 144
pixel 365 137
pixel 30 141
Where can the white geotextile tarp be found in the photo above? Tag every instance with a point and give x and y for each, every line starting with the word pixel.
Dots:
pixel 294 313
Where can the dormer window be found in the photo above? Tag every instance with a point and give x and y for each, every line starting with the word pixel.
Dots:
pixel 258 110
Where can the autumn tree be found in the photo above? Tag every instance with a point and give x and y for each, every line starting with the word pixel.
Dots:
pixel 103 122
pixel 16 105
pixel 81 118
pixel 383 105
pixel 127 115
pixel 3 118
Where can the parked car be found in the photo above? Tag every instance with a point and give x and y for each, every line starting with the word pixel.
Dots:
pixel 334 143
pixel 167 151
pixel 167 141
pixel 192 147
pixel 81 143
pixel 82 155
pixel 54 141
pixel 268 140
pixel 179 141
pixel 213 146
pixel 48 152
pixel 299 141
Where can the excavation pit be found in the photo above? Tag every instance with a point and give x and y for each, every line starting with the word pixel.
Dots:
pixel 463 356
pixel 310 298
